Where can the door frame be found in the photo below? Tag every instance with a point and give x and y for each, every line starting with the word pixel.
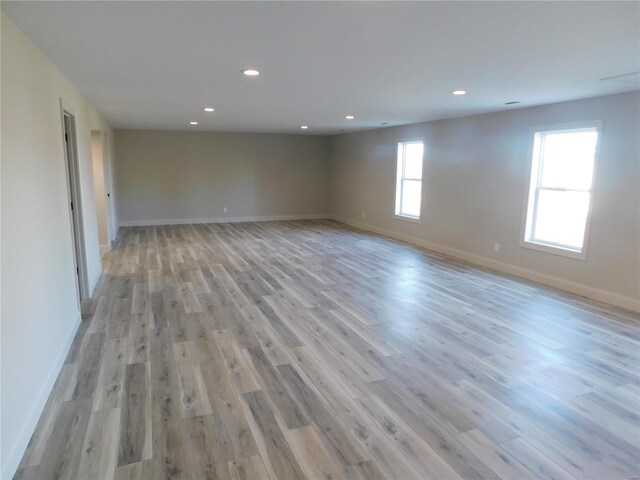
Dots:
pixel 74 198
pixel 101 187
pixel 108 184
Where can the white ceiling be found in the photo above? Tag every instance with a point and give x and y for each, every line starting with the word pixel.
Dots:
pixel 157 64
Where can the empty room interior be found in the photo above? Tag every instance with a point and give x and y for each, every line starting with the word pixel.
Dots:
pixel 320 240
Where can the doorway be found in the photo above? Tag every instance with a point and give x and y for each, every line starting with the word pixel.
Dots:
pixel 75 202
pixel 100 189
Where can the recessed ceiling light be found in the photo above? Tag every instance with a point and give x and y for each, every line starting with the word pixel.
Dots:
pixel 209 109
pixel 193 123
pixel 304 127
pixel 250 72
pixel 459 92
pixel 349 117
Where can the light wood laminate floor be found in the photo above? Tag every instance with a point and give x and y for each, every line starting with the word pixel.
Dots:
pixel 307 349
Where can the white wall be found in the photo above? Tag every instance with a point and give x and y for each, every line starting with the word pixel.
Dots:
pixel 167 177
pixel 39 312
pixel 473 192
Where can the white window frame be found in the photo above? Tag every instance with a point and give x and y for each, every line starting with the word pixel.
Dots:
pixel 400 178
pixel 530 200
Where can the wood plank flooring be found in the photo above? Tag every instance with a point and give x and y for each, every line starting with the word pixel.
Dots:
pixel 288 350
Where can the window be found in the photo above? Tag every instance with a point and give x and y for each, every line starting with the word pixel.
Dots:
pixel 409 180
pixel 559 204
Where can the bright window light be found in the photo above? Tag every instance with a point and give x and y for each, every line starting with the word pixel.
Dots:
pixel 409 180
pixel 559 204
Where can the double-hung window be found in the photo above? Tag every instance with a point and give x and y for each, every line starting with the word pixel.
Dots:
pixel 559 202
pixel 409 180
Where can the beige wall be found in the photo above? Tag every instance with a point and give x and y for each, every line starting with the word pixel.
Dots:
pixel 39 310
pixel 171 177
pixel 473 192
pixel 100 190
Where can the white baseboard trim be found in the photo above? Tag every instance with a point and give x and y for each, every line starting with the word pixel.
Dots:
pixel 94 282
pixel 593 293
pixel 20 443
pixel 104 249
pixel 185 221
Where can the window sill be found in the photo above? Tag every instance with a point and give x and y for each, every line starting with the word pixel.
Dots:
pixel 407 219
pixel 563 252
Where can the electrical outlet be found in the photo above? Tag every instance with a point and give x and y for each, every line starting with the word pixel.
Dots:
pixel 225 209
pixel 364 215
pixel 496 247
